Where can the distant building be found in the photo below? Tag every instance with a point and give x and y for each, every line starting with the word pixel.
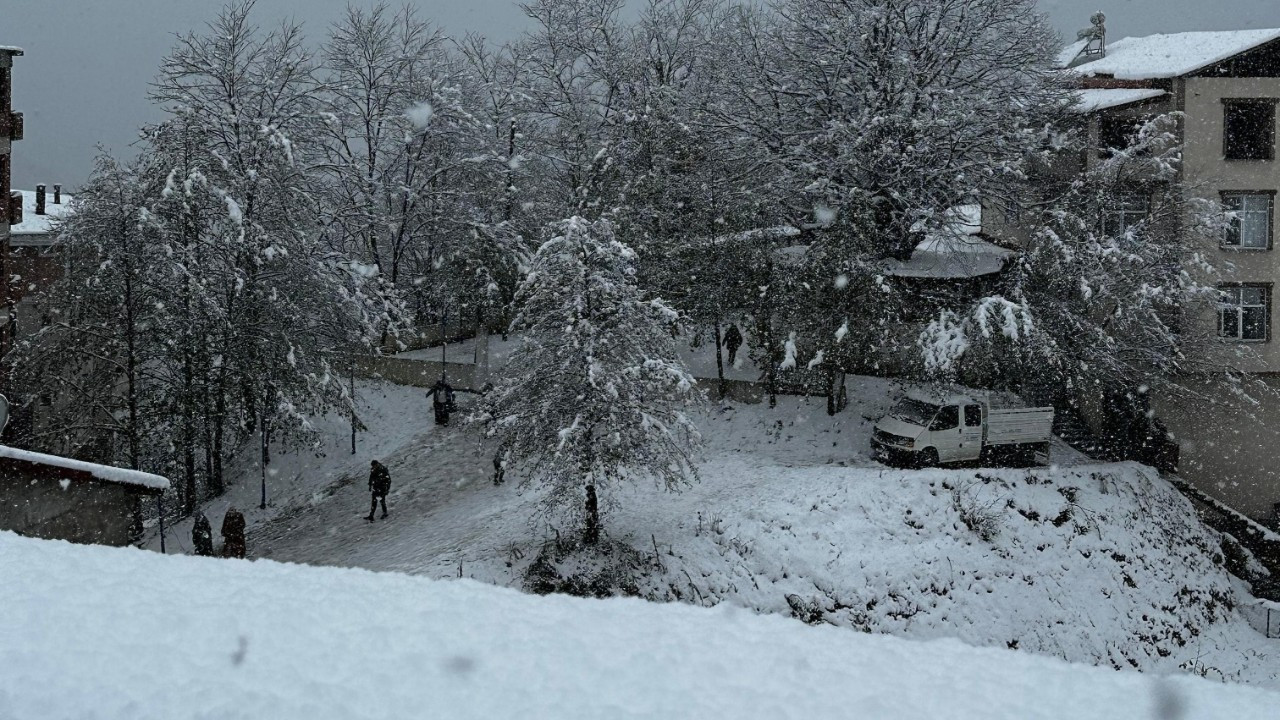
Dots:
pixel 33 261
pixel 56 498
pixel 1226 87
pixel 10 203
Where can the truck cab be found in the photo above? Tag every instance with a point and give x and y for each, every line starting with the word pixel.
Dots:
pixel 926 428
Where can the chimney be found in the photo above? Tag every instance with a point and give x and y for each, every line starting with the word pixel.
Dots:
pixel 57 194
pixel 40 199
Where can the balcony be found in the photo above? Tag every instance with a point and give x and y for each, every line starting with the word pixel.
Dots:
pixel 11 126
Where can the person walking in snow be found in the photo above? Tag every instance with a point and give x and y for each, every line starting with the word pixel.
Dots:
pixel 233 541
pixel 442 403
pixel 202 536
pixel 732 341
pixel 379 486
pixel 499 466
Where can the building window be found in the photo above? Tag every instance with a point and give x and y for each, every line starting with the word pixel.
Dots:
pixel 1129 210
pixel 1249 224
pixel 1118 132
pixel 1244 312
pixel 1249 129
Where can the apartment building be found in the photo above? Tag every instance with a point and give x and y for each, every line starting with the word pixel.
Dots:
pixel 10 203
pixel 1226 85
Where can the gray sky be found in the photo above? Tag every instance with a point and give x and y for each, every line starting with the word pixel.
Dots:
pixel 83 80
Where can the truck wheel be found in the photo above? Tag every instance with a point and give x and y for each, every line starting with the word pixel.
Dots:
pixel 929 457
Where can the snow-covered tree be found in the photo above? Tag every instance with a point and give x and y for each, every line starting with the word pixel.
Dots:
pixel 595 396
pixel 89 360
pixel 1111 300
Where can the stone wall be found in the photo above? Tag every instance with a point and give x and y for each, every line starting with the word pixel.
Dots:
pixel 85 511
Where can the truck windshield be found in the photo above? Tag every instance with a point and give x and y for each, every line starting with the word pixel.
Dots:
pixel 914 411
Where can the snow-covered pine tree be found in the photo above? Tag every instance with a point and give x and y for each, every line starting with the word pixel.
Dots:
pixel 596 395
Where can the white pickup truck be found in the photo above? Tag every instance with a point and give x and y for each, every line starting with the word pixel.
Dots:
pixel 926 428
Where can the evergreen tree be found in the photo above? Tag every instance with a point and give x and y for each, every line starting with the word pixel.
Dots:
pixel 595 396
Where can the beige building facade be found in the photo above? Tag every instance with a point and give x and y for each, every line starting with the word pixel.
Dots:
pixel 1226 87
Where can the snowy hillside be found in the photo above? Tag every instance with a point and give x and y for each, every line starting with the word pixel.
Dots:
pixel 180 638
pixel 1091 563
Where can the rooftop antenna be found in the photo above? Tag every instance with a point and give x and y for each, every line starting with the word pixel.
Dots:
pixel 1096 35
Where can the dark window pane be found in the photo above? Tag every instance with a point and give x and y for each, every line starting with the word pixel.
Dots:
pixel 1230 323
pixel 1249 130
pixel 1255 323
pixel 972 415
pixel 948 419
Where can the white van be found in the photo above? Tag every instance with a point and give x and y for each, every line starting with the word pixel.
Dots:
pixel 926 428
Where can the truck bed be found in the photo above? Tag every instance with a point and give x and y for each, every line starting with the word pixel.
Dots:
pixel 1015 426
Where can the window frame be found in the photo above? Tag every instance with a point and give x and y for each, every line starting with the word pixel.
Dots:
pixel 1232 223
pixel 1114 218
pixel 1227 104
pixel 1239 306
pixel 938 418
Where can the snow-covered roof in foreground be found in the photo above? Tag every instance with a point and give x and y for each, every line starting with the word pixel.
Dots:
pixel 1095 99
pixel 1174 55
pixel 33 224
pixel 11 49
pixel 955 253
pixel 106 473
pixel 269 640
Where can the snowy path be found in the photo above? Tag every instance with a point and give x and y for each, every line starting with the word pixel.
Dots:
pixel 443 508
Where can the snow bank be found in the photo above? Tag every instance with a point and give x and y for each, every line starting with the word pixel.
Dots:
pixel 237 639
pixel 105 473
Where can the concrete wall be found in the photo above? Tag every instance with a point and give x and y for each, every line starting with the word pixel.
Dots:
pixel 84 512
pixel 1225 452
pixel 1208 174
pixel 414 373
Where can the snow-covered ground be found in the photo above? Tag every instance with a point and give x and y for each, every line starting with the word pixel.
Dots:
pixel 107 633
pixel 1093 563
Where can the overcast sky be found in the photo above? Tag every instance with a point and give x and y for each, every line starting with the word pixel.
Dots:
pixel 83 80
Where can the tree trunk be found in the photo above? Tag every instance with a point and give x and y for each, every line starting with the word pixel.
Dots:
pixel 591 533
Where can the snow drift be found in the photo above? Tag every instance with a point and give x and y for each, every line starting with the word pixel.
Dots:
pixel 93 632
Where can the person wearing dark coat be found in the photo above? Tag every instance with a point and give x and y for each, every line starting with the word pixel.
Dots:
pixel 202 536
pixel 499 466
pixel 233 541
pixel 379 486
pixel 733 341
pixel 442 401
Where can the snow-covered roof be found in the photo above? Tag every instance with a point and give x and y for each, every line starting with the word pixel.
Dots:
pixel 1095 99
pixel 1169 56
pixel 105 473
pixel 11 49
pixel 33 224
pixel 958 252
